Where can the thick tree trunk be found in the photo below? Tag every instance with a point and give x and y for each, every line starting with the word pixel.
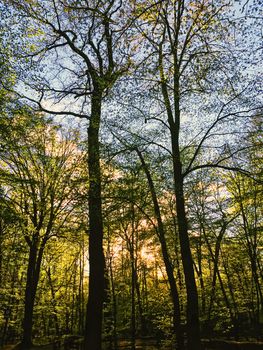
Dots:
pixel 192 312
pixel 192 330
pixel 173 117
pixel 93 333
pixel 33 271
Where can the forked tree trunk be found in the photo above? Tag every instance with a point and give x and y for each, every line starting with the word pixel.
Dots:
pixel 173 118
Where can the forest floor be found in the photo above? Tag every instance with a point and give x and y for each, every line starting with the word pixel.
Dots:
pixel 37 347
pixel 125 345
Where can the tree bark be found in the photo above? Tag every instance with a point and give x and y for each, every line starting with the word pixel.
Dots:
pixel 33 271
pixel 93 333
pixel 193 328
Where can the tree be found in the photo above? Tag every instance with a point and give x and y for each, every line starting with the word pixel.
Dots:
pixel 92 37
pixel 247 204
pixel 183 37
pixel 40 169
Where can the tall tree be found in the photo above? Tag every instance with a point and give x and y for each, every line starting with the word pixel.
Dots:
pixel 91 35
pixel 183 37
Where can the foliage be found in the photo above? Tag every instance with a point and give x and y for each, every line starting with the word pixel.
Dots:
pixel 169 174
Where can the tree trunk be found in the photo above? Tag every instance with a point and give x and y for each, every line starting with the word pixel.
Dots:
pixel 216 272
pixel 143 329
pixel 53 302
pixel 215 259
pixel 33 271
pixel 173 118
pixel 94 317
pixel 114 305
pixel 81 291
pixel 1 251
pixel 192 330
pixel 168 266
pixel 133 281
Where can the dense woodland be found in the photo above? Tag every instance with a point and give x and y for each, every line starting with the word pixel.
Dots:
pixel 130 174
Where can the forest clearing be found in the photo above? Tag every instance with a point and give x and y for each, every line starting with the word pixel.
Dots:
pixel 131 171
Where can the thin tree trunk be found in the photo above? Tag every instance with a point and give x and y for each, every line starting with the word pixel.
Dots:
pixel 114 305
pixel 168 266
pixel 81 291
pixel 216 272
pixel 143 329
pixel 215 258
pixel 1 251
pixel 133 282
pixel 200 275
pixel 252 251
pixel 53 302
